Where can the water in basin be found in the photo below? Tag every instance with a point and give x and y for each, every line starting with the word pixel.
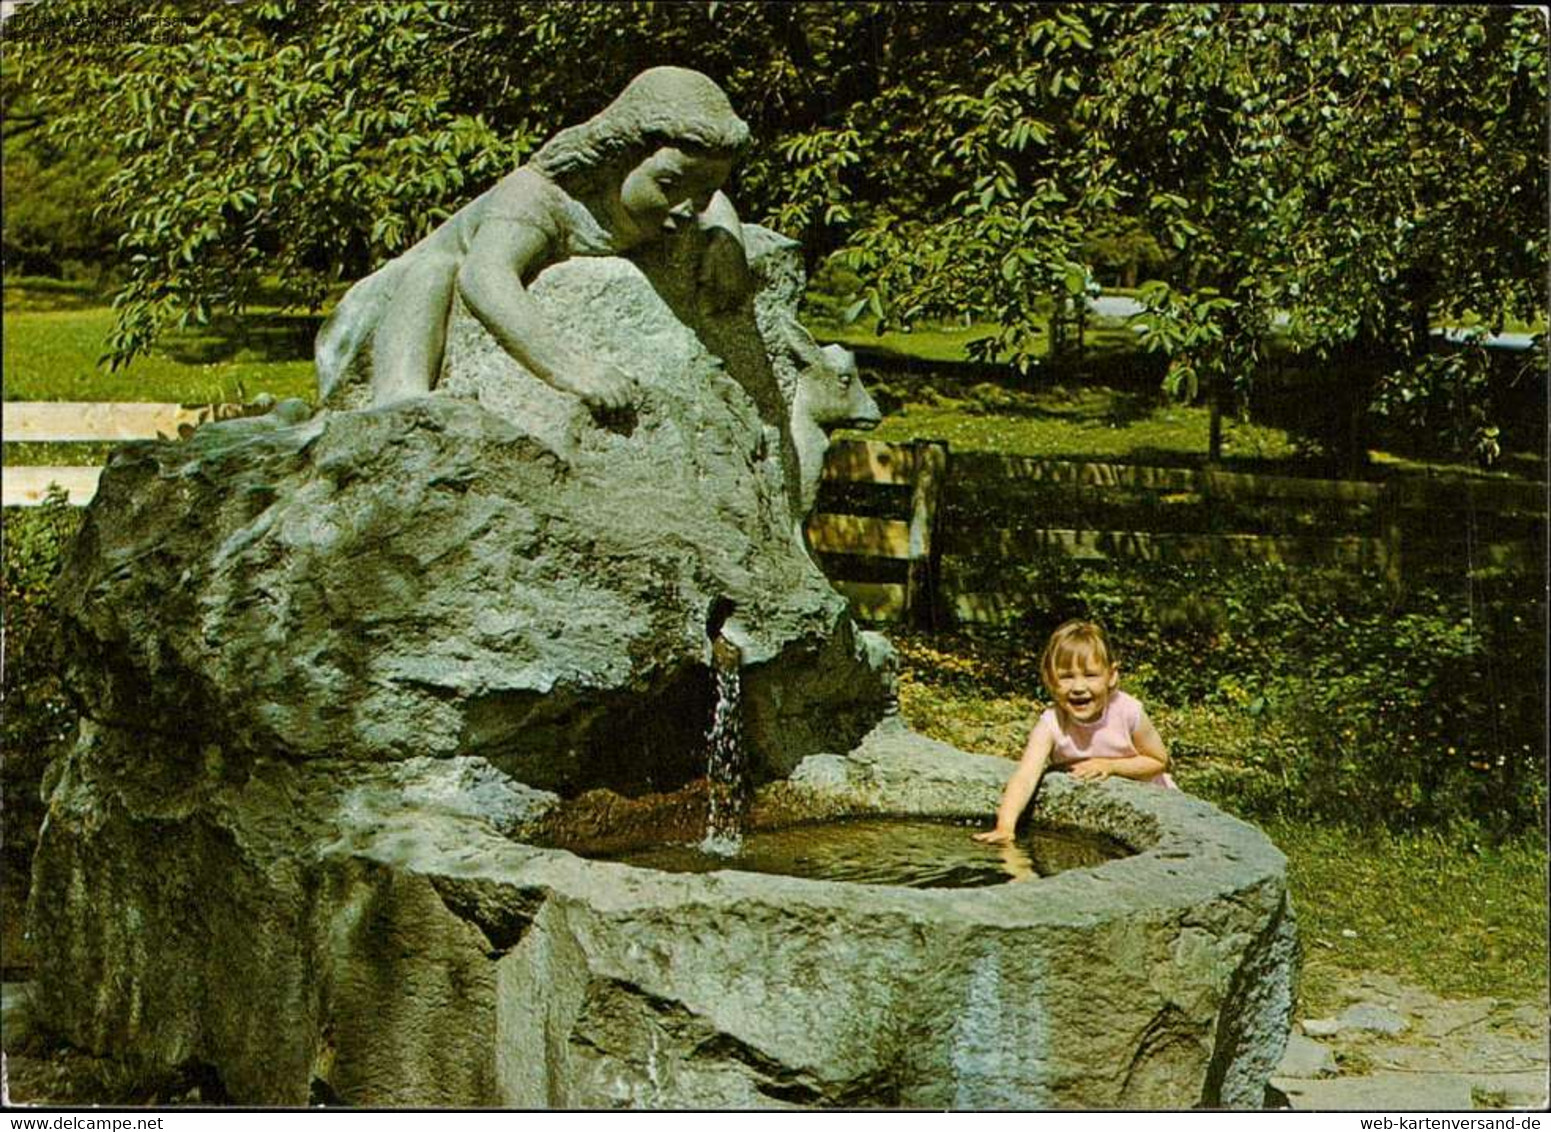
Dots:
pixel 914 852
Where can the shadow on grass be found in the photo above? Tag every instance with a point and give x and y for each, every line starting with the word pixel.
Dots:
pixel 35 293
pixel 1111 408
pixel 255 337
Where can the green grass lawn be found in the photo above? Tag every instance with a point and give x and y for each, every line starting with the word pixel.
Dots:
pixel 925 343
pixel 1462 920
pixel 938 343
pixel 53 337
pixel 1083 422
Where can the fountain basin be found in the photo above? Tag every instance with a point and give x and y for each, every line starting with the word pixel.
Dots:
pixel 1159 980
pixel 913 852
pixel 420 955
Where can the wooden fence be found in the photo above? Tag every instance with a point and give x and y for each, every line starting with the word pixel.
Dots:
pixel 909 533
pixel 91 421
pixel 894 536
pixel 982 516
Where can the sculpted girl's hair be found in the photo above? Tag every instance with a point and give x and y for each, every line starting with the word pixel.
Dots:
pixel 662 106
pixel 1070 641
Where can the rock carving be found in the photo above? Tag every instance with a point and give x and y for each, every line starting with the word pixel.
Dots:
pixel 652 160
pixel 357 686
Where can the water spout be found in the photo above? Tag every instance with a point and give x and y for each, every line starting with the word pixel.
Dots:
pixel 725 758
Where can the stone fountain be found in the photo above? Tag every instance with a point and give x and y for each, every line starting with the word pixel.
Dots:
pixel 355 683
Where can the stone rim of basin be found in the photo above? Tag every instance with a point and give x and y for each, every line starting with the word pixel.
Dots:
pixel 1184 850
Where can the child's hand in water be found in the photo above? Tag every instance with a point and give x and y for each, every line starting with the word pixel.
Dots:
pixel 995 836
pixel 1092 770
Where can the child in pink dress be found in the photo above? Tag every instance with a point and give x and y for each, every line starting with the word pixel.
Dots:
pixel 1093 731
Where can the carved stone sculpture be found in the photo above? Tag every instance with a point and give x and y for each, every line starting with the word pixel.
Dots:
pixel 340 672
pixel 653 160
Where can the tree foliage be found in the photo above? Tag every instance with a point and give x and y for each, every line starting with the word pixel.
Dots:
pixel 1350 174
pixel 1358 173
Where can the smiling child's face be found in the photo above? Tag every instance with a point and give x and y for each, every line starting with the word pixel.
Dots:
pixel 669 188
pixel 1082 685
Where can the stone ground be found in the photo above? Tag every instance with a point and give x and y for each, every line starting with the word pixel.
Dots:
pixel 1396 1047
pixel 1392 1048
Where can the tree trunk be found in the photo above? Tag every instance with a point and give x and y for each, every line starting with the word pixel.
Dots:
pixel 1421 322
pixel 1214 397
pixel 1057 326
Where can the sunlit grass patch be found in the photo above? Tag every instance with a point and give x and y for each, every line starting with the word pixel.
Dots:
pixel 1460 918
pixel 1080 422
pixel 51 355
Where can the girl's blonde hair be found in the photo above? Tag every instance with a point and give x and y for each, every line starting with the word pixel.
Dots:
pixel 1077 641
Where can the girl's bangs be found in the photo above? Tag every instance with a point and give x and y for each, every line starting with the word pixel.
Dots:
pixel 1080 650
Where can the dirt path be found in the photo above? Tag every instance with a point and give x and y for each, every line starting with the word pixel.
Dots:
pixel 1395 1047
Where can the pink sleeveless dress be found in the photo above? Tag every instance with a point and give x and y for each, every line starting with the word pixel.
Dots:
pixel 1109 738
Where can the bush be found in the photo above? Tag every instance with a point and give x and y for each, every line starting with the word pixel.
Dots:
pixel 1402 710
pixel 1430 717
pixel 50 227
pixel 34 713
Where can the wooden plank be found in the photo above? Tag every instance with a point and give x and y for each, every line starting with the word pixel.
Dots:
pixel 1239 485
pixel 859 534
pixel 1078 473
pixel 1485 496
pixel 107 420
pixel 874 601
pixel 870 461
pixel 27 485
pixel 1102 545
pixel 931 472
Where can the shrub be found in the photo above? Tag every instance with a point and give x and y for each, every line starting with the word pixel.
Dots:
pixel 36 714
pixel 1432 716
pixel 1420 708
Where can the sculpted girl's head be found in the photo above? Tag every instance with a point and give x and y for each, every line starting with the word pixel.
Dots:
pixel 665 107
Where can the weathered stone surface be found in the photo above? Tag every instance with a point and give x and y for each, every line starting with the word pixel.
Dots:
pixel 1372 1016
pixel 1305 1057
pixel 486 571
pixel 417 956
pixel 1381 1092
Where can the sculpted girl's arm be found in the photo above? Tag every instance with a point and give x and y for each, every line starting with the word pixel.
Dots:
pixel 490 283
pixel 1021 786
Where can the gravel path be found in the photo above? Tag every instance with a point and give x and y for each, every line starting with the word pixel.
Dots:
pixel 1396 1047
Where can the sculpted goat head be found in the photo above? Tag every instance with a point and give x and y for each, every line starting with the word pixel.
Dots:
pixel 829 395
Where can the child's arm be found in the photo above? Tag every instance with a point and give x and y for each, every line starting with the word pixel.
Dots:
pixel 490 282
pixel 1021 786
pixel 1151 758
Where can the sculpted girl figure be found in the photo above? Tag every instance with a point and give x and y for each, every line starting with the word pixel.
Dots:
pixel 655 158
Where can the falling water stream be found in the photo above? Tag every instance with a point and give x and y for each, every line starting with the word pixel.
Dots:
pixel 726 763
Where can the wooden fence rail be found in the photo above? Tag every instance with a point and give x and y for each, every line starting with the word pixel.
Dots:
pixel 911 478
pixel 88 421
pixel 992 511
pixel 908 534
